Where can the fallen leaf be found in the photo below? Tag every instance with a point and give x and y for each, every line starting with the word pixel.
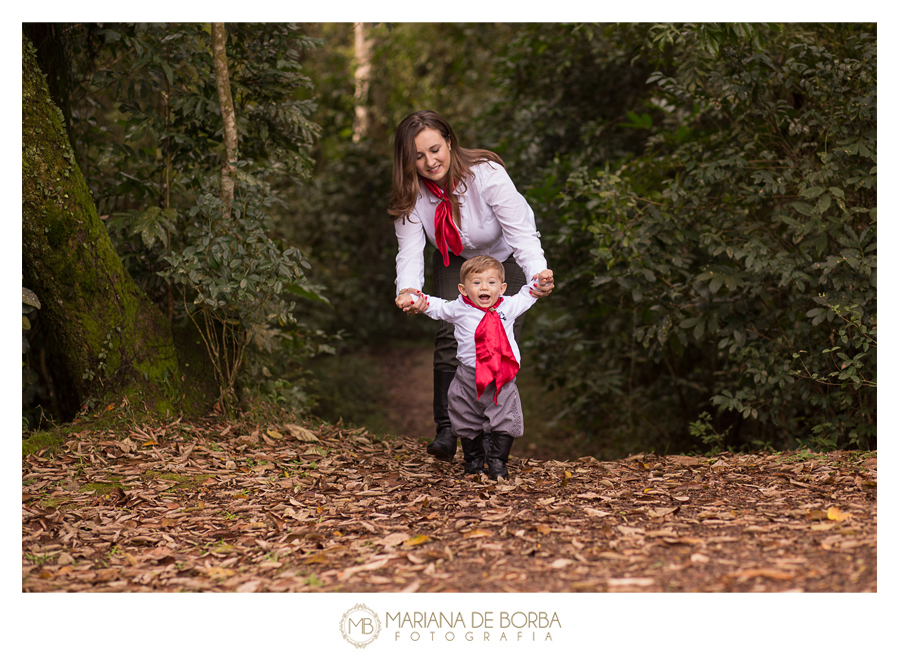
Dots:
pixel 837 515
pixel 478 532
pixel 662 511
pixel 631 582
pixel 682 540
pixel 219 572
pixel 774 574
pixel 415 541
pixel 560 563
pixel 302 434
pixel 609 555
pixel 250 586
pixel 393 539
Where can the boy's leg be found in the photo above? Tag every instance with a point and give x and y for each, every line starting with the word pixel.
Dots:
pixel 506 424
pixel 467 416
pixel 445 286
pixel 504 417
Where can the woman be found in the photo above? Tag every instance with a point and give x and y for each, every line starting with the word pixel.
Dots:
pixel 464 203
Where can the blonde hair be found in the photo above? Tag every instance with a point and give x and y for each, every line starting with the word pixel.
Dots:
pixel 405 188
pixel 479 264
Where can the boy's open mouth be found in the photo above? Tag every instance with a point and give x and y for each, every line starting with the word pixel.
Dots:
pixel 484 299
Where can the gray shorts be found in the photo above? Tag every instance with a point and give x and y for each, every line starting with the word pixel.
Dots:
pixel 471 418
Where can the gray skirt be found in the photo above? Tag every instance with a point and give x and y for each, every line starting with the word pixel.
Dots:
pixel 471 417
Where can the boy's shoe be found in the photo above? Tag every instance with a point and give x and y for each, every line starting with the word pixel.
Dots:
pixel 497 447
pixel 473 453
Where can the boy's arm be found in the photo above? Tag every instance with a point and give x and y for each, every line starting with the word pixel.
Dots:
pixel 523 300
pixel 440 309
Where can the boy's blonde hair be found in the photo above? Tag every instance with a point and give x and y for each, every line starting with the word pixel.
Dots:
pixel 479 264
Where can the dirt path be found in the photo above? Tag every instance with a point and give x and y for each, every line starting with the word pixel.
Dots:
pixel 409 382
pixel 215 507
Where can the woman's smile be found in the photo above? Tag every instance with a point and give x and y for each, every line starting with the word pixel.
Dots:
pixel 432 155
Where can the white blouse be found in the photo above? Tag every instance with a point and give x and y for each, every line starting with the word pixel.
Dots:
pixel 496 221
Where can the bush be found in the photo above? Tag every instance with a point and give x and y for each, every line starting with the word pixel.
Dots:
pixel 741 232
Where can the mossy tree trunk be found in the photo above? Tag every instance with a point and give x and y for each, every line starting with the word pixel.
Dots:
pixel 105 336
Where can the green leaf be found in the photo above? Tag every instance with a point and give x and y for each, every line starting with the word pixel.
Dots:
pixel 28 297
pixel 823 204
pixel 812 192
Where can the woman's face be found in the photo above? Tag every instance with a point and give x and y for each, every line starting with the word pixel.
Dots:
pixel 432 156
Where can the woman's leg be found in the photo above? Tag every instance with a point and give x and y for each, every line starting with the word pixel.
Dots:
pixel 446 282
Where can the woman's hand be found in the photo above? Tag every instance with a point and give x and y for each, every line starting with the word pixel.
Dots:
pixel 542 283
pixel 403 302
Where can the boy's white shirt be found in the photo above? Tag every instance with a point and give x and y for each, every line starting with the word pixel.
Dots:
pixel 465 320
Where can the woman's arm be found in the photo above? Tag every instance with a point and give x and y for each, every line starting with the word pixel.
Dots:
pixel 516 219
pixel 410 253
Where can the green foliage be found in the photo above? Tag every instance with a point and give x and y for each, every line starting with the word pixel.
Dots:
pixel 160 80
pixel 234 278
pixel 703 429
pixel 150 126
pixel 735 239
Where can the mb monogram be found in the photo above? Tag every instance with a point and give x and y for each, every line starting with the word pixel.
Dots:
pixel 360 626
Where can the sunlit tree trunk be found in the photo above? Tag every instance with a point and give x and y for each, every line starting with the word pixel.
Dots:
pixel 363 49
pixel 223 87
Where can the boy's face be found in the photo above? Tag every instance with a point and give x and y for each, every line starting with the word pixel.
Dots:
pixel 483 288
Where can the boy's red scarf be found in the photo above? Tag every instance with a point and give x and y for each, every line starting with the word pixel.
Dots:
pixel 445 231
pixel 494 358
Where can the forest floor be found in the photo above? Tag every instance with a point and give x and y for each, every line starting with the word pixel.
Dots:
pixel 310 507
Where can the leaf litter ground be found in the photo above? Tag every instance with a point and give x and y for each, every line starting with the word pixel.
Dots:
pixel 214 507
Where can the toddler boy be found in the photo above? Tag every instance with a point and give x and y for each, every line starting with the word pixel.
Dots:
pixel 484 405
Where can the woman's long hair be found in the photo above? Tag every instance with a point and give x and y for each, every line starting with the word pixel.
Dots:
pixel 405 190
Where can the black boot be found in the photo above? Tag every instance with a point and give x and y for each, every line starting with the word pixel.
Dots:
pixel 497 447
pixel 473 453
pixel 444 445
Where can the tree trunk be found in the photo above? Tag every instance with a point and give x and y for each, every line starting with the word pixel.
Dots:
pixel 363 48
pixel 104 335
pixel 223 87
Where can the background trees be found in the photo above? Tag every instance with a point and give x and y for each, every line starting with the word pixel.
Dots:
pixel 706 193
pixel 102 331
pixel 147 119
pixel 728 266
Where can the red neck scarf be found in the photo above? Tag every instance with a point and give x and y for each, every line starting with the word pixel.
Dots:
pixel 494 358
pixel 445 231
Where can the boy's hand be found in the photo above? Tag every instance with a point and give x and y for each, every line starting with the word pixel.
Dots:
pixel 542 283
pixel 405 303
